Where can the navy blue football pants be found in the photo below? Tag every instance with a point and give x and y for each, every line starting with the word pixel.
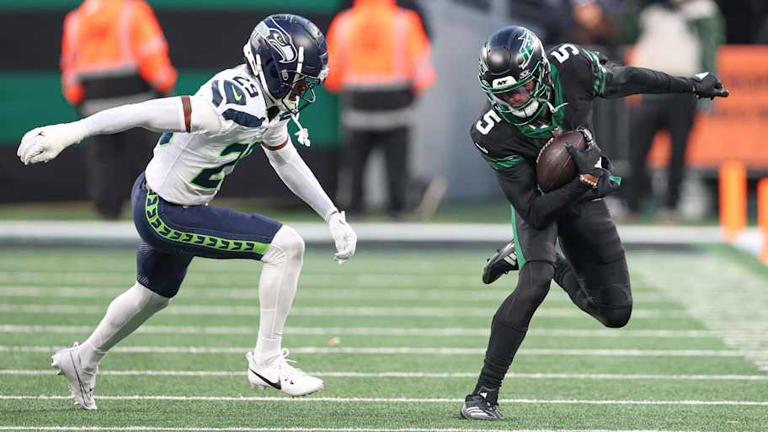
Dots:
pixel 172 234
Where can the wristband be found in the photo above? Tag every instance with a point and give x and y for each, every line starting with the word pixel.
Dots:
pixel 588 179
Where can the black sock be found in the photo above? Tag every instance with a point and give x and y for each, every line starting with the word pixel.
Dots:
pixel 502 346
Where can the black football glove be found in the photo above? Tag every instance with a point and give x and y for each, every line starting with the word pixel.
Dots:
pixel 606 184
pixel 586 160
pixel 706 85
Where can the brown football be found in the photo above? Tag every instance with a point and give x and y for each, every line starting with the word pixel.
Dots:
pixel 554 167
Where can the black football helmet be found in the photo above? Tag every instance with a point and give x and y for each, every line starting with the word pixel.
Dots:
pixel 514 74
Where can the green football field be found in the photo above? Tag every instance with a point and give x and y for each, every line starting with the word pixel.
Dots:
pixel 398 338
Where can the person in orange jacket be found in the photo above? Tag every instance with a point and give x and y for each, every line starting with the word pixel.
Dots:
pixel 113 53
pixel 379 62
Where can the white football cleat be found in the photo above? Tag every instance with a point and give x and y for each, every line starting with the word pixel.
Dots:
pixel 80 383
pixel 282 376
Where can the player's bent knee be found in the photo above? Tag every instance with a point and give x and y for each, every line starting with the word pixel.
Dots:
pixel 617 318
pixel 286 245
pixel 149 299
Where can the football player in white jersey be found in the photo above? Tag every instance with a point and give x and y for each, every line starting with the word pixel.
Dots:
pixel 204 137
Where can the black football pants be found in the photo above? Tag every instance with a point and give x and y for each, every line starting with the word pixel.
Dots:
pixel 113 162
pixel 394 144
pixel 593 272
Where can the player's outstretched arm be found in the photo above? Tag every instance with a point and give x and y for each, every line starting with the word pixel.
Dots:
pixel 302 182
pixel 519 186
pixel 627 80
pixel 175 114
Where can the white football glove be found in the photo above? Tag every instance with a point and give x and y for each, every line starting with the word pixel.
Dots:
pixel 344 237
pixel 45 143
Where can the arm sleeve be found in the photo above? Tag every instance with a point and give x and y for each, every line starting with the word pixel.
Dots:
pixel 159 115
pixel 519 185
pixel 299 178
pixel 627 80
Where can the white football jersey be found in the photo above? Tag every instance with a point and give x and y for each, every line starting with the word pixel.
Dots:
pixel 188 168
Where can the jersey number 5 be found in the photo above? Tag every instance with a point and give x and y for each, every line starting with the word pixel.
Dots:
pixel 565 52
pixel 487 123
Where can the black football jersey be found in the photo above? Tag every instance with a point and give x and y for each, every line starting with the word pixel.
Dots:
pixel 577 76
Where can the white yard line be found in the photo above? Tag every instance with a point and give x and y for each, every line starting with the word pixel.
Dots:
pixel 398 351
pixel 723 296
pixel 217 280
pixel 325 311
pixel 296 429
pixel 252 293
pixel 373 331
pixel 391 400
pixel 409 375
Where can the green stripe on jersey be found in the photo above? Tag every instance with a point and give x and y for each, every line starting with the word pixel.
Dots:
pixel 151 211
pixel 502 163
pixel 518 246
pixel 598 86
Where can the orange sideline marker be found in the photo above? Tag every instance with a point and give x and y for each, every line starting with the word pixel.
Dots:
pixel 733 199
pixel 762 216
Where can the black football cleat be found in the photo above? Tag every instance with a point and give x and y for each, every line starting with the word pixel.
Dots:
pixel 502 263
pixel 482 405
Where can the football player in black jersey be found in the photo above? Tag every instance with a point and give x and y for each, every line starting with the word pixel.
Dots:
pixel 533 96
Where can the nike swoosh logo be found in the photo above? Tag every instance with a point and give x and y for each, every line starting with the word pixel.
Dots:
pixel 276 385
pixel 238 96
pixel 701 75
pixel 482 149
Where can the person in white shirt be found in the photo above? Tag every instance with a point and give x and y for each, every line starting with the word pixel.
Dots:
pixel 205 135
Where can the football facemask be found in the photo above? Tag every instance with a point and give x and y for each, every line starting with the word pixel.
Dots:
pixel 524 101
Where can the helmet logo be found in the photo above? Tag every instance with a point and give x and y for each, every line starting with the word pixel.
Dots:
pixel 279 40
pixel 526 49
pixel 504 82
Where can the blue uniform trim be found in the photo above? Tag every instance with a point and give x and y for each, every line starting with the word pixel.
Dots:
pixel 165 138
pixel 162 229
pixel 243 119
pixel 216 93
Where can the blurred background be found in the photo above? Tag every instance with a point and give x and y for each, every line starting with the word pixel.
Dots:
pixel 407 319
pixel 445 180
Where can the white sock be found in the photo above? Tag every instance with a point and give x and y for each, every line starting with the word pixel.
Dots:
pixel 277 288
pixel 124 315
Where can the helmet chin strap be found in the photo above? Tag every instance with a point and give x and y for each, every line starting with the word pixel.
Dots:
pixel 288 105
pixel 303 134
pixel 553 109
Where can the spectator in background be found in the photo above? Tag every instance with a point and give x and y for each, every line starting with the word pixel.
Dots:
pixel 679 37
pixel 586 22
pixel 114 53
pixel 379 61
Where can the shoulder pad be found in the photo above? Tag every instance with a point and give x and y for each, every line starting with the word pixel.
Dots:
pixel 237 97
pixel 580 64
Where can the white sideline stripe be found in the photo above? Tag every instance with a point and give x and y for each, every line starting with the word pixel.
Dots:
pixel 317 232
pixel 390 400
pixel 299 429
pixel 251 311
pixel 366 331
pixel 397 351
pixel 409 375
